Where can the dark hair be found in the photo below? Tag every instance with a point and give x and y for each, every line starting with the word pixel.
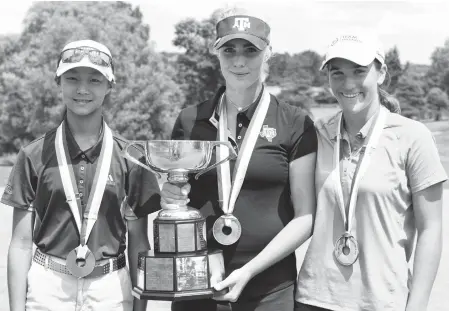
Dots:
pixel 387 100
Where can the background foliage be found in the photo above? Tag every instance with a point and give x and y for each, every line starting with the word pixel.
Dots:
pixel 152 87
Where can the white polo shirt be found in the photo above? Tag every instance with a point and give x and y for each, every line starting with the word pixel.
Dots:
pixel 405 161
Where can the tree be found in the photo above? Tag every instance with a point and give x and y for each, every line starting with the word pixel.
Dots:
pixel 438 73
pixel 437 99
pixel 145 100
pixel 198 69
pixel 411 97
pixel 395 69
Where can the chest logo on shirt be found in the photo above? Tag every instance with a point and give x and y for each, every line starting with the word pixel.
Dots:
pixel 268 132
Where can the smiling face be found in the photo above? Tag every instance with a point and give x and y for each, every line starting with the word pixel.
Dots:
pixel 241 63
pixel 83 90
pixel 355 87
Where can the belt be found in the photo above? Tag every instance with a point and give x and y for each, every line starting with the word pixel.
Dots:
pixel 100 269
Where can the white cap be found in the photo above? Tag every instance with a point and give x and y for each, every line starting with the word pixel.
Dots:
pixel 85 61
pixel 360 48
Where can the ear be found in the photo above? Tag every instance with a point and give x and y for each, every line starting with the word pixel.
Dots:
pixel 382 74
pixel 108 91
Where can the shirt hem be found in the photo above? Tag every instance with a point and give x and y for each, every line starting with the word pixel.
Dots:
pixel 12 204
pixel 428 183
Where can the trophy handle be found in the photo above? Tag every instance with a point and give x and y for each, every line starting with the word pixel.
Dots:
pixel 232 155
pixel 134 160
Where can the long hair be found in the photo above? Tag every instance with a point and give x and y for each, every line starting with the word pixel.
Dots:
pixel 386 99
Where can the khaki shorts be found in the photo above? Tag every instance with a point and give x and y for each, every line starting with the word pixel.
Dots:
pixel 53 291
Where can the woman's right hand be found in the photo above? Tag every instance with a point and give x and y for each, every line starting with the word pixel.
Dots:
pixel 174 195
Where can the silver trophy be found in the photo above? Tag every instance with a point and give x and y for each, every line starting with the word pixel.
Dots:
pixel 180 266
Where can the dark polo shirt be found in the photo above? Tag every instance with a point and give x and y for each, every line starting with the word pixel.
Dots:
pixel 263 206
pixel 35 180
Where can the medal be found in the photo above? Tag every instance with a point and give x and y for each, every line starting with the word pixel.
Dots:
pixel 346 249
pixel 81 261
pixel 227 229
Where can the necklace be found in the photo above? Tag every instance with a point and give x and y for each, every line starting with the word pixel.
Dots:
pixel 239 109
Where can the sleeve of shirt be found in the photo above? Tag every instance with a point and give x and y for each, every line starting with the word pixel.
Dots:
pixel 423 165
pixel 304 139
pixel 21 186
pixel 143 193
pixel 178 130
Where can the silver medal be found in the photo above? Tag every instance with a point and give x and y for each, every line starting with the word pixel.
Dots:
pixel 227 229
pixel 80 261
pixel 346 249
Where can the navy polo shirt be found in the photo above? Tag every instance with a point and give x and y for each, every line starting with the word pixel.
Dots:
pixel 35 179
pixel 263 206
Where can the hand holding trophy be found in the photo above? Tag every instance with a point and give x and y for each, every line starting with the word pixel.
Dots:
pixel 181 265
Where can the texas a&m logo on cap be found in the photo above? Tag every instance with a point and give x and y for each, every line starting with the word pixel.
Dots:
pixel 241 23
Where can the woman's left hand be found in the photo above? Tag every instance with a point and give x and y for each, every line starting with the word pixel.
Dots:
pixel 236 281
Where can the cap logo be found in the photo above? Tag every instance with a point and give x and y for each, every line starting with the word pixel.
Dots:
pixel 241 23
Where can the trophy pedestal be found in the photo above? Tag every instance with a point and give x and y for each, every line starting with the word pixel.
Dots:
pixel 180 266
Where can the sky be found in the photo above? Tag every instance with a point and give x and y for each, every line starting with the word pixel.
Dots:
pixel 415 27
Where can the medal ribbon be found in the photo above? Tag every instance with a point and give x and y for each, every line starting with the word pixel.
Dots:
pixel 228 191
pixel 69 181
pixel 362 166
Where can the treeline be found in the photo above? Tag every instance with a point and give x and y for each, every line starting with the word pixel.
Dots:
pixel 152 87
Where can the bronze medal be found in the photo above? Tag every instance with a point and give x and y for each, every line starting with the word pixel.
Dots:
pixel 346 250
pixel 227 229
pixel 80 261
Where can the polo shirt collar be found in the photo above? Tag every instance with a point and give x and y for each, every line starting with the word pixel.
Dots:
pixel 210 111
pixel 75 151
pixel 331 126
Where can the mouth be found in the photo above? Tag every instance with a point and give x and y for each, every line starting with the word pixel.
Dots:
pixel 238 74
pixel 350 95
pixel 82 101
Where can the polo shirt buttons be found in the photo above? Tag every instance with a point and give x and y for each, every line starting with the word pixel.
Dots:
pixel 82 168
pixel 81 181
pixel 240 124
pixel 83 156
pixel 239 137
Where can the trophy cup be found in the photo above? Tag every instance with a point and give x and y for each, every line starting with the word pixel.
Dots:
pixel 180 266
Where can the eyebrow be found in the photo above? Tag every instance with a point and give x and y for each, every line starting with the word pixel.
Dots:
pixel 333 67
pixel 249 44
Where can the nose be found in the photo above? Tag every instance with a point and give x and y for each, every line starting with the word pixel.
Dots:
pixel 239 60
pixel 349 83
pixel 82 89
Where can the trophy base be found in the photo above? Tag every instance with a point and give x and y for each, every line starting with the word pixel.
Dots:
pixel 173 296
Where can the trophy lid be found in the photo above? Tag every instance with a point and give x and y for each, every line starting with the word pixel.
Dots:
pixel 180 214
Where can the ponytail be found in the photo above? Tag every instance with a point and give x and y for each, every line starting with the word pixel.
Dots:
pixel 387 100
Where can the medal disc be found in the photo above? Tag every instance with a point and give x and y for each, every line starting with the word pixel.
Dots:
pixel 346 250
pixel 80 261
pixel 227 230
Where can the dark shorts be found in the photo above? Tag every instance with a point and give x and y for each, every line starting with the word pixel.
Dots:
pixel 282 300
pixel 303 307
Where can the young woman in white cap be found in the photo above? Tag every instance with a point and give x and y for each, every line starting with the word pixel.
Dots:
pixel 378 181
pixel 75 198
pixel 272 179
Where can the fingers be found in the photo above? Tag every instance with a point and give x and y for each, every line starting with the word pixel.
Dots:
pixel 173 195
pixel 231 283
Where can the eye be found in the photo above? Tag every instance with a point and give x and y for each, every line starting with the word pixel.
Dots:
pixel 251 49
pixel 96 80
pixel 71 78
pixel 228 50
pixel 360 71
pixel 336 74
